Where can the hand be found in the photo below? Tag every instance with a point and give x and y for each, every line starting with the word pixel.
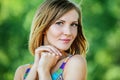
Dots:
pixel 47 48
pixel 47 61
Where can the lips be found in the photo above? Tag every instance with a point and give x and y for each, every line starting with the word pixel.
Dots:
pixel 66 40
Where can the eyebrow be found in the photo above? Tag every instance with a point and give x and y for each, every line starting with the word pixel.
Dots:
pixel 64 20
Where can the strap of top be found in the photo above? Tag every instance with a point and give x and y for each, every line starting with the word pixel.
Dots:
pixel 64 63
pixel 57 75
pixel 27 71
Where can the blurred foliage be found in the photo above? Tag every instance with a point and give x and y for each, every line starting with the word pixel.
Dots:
pixel 101 24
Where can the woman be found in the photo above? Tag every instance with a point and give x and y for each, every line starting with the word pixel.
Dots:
pixel 57 42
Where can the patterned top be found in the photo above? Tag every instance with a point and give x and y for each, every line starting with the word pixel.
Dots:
pixel 57 75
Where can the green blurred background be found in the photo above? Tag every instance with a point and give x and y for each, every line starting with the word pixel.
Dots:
pixel 101 24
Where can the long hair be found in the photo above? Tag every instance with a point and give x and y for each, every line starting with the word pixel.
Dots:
pixel 46 15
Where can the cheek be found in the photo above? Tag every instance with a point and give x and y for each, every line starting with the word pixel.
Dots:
pixel 75 32
pixel 53 33
pixel 53 30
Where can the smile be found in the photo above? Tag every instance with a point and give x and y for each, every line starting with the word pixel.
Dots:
pixel 65 40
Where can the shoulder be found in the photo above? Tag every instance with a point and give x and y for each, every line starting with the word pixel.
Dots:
pixel 23 68
pixel 75 68
pixel 20 71
pixel 76 60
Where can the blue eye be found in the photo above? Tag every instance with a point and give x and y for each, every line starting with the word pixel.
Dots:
pixel 74 24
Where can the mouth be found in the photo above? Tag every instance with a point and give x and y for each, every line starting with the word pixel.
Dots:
pixel 65 40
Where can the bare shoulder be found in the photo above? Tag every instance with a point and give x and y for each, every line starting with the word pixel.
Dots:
pixel 23 68
pixel 75 68
pixel 77 58
pixel 20 71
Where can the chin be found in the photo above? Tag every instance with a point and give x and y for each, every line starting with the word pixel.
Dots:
pixel 63 48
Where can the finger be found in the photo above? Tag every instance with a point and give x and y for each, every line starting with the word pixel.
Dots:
pixel 55 50
pixel 44 53
pixel 43 49
pixel 50 49
pixel 37 57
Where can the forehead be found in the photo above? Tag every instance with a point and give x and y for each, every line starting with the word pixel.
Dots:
pixel 70 15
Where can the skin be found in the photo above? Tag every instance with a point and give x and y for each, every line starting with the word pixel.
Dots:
pixel 63 28
pixel 58 38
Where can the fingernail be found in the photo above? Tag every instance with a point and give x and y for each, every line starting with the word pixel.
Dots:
pixel 60 54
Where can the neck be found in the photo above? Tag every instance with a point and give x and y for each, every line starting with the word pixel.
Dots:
pixel 64 54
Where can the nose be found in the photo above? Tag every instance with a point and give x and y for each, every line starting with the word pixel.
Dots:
pixel 67 30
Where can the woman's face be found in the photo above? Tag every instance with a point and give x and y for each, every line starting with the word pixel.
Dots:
pixel 62 33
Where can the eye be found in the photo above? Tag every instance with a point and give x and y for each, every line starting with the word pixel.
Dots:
pixel 59 23
pixel 74 25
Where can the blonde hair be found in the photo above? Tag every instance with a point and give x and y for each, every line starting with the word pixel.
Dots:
pixel 47 14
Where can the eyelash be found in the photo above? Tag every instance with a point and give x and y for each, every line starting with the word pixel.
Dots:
pixel 73 24
pixel 59 23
